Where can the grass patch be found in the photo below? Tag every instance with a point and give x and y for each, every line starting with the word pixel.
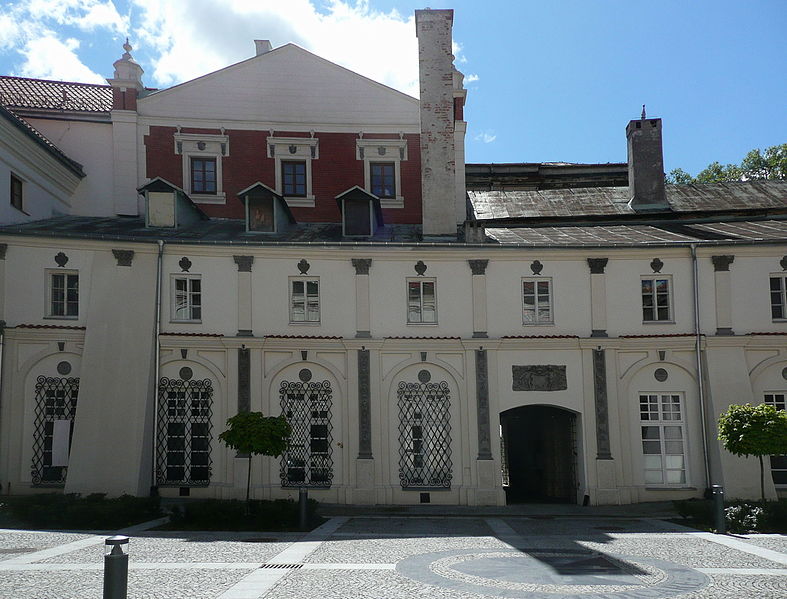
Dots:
pixel 236 515
pixel 73 512
pixel 740 516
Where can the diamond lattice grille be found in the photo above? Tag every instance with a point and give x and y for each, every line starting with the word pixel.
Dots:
pixel 56 400
pixel 308 459
pixel 185 411
pixel 424 435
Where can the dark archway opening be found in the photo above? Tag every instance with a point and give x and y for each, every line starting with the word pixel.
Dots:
pixel 539 446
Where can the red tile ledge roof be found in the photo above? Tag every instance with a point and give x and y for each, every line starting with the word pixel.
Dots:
pixel 21 92
pixel 661 335
pixel 423 337
pixel 770 333
pixel 301 337
pixel 540 337
pixel 174 334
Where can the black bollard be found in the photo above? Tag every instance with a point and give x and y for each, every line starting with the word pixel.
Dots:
pixel 116 567
pixel 303 516
pixel 718 509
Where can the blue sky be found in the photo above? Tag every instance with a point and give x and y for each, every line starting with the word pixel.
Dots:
pixel 547 81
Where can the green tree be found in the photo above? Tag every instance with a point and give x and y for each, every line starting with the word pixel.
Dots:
pixel 747 430
pixel 254 434
pixel 756 165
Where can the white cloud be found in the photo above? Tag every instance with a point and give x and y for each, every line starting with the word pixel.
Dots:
pixel 51 58
pixel 486 136
pixel 471 78
pixel 196 37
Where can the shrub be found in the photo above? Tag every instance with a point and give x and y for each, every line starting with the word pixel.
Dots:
pixel 744 517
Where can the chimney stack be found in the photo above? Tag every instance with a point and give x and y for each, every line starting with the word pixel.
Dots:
pixel 127 81
pixel 438 155
pixel 262 47
pixel 646 165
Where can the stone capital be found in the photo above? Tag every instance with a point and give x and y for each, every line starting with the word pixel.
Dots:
pixel 722 263
pixel 478 267
pixel 123 257
pixel 362 265
pixel 244 263
pixel 597 265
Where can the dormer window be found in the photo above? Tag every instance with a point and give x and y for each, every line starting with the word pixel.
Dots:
pixel 168 206
pixel 266 210
pixel 361 212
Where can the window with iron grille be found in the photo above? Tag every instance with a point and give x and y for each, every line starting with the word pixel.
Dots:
pixel 63 294
pixel 55 410
pixel 424 435
pixel 187 298
pixel 537 301
pixel 304 300
pixel 778 290
pixel 663 439
pixel 421 301
pixel 778 462
pixel 656 301
pixel 185 432
pixel 203 175
pixel 17 193
pixel 308 459
pixel 382 177
pixel 293 178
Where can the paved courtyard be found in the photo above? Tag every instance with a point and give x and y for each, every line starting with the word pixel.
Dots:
pixel 395 557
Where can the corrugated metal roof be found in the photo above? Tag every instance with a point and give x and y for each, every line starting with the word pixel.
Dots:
pixel 613 201
pixel 39 138
pixel 20 92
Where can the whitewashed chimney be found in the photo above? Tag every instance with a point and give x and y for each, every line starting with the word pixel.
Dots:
pixel 438 155
pixel 262 47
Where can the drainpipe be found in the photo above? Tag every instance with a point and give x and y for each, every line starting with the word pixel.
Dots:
pixel 698 354
pixel 156 366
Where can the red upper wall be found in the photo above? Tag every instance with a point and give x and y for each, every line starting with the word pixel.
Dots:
pixel 335 171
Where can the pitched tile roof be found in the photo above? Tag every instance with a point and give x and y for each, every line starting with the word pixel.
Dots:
pixel 613 201
pixel 42 141
pixel 20 92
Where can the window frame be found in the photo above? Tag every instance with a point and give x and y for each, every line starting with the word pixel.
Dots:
pixel 18 183
pixel 654 296
pixel 293 149
pixel 662 419
pixel 782 291
pixel 383 151
pixel 189 278
pixel 283 165
pixel 203 146
pixel 420 281
pixel 291 298
pixel 384 176
pixel 50 291
pixel 777 463
pixel 192 171
pixel 551 293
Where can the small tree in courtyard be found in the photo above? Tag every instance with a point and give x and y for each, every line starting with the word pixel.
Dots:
pixel 749 430
pixel 254 434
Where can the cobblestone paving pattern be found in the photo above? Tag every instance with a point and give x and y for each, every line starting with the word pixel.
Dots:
pixel 406 558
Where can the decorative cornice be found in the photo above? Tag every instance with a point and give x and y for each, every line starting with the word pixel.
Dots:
pixel 597 265
pixel 362 265
pixel 244 263
pixel 124 257
pixel 478 267
pixel 722 263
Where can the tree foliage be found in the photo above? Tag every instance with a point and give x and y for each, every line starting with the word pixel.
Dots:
pixel 756 165
pixel 747 430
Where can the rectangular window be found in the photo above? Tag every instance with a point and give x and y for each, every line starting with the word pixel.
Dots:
pixel 17 197
pixel 779 297
pixel 663 439
pixel 56 404
pixel 537 301
pixel 304 300
pixel 382 177
pixel 203 175
pixel 187 298
pixel 293 178
pixel 421 301
pixel 63 294
pixel 778 400
pixel 656 300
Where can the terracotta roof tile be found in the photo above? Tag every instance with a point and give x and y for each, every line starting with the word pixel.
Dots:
pixel 49 326
pixel 20 92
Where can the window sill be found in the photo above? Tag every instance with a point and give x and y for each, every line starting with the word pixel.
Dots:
pixel 538 324
pixel 185 321
pixel 658 322
pixel 397 202
pixel 208 198
pixel 299 201
pixel 308 323
pixel 667 488
pixel 61 317
pixel 422 324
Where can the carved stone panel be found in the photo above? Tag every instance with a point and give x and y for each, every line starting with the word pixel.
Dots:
pixel 602 409
pixel 244 380
pixel 364 406
pixel 482 397
pixel 541 377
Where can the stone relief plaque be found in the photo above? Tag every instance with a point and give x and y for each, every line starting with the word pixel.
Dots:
pixel 541 377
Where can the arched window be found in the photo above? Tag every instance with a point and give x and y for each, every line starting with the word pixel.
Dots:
pixel 55 410
pixel 185 410
pixel 307 461
pixel 424 434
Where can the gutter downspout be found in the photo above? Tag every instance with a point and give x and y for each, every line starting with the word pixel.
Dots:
pixel 698 355
pixel 156 366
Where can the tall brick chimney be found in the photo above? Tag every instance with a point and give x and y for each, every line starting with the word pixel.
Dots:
pixel 646 165
pixel 438 154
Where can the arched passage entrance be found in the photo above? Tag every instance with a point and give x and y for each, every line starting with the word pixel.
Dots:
pixel 539 446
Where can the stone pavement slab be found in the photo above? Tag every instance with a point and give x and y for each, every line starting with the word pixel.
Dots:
pixel 392 557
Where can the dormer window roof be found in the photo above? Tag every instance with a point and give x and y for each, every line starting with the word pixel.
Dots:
pixel 266 210
pixel 361 212
pixel 168 206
